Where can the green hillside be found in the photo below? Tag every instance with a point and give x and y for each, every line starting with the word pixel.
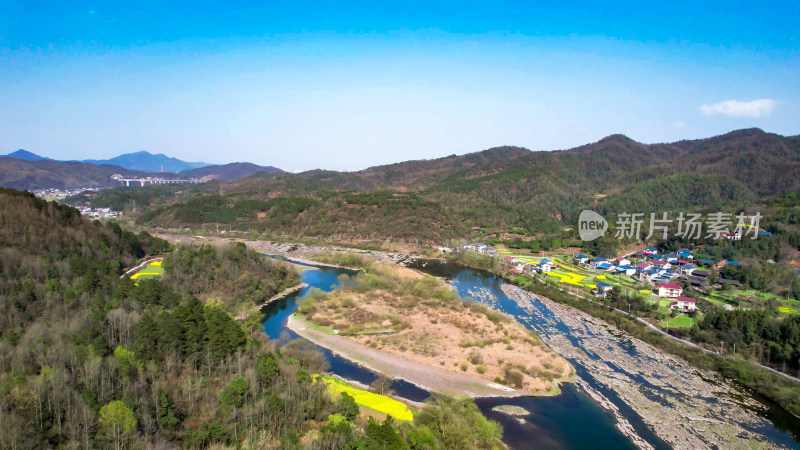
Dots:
pixel 504 188
pixel 92 360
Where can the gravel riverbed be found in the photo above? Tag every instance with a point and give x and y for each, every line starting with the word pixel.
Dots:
pixel 684 406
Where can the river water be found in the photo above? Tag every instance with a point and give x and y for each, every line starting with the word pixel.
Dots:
pixel 570 420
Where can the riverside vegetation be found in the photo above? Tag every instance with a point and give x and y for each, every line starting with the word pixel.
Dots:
pixel 420 318
pixel 90 360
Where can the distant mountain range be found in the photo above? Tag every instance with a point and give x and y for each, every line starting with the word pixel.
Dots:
pixel 148 162
pixel 25 155
pixel 26 170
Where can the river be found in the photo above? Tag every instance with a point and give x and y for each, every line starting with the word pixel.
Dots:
pixel 572 419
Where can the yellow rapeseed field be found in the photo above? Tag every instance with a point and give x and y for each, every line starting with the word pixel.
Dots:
pixel 378 402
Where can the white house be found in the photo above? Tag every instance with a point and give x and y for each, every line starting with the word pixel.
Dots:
pixel 581 258
pixel 626 270
pixel 545 267
pixel 684 304
pixel 669 290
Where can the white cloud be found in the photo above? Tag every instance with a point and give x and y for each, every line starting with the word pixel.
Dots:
pixel 734 108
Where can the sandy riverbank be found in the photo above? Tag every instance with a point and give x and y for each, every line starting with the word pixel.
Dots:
pixel 426 377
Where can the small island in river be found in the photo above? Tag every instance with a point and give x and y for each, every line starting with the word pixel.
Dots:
pixel 413 326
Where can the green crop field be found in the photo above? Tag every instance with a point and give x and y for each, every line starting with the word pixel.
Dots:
pixel 679 322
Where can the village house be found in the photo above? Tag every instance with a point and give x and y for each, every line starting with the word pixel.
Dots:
pixel 660 264
pixel 735 236
pixel 647 275
pixel 603 288
pixel 510 261
pixel 546 265
pixel 650 251
pixel 581 259
pixel 669 274
pixel 626 270
pixel 684 304
pixel 669 290
pixel 622 261
pixel 700 273
pixel 697 282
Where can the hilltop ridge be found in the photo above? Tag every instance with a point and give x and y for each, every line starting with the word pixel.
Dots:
pixel 502 187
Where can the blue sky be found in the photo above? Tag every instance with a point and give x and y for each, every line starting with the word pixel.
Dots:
pixel 340 85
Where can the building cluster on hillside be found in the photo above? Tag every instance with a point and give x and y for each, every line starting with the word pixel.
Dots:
pixel 479 248
pixel 664 272
pixel 99 213
pixel 58 194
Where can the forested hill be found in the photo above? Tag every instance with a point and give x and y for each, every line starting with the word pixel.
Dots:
pixel 92 360
pixel 21 171
pixel 44 173
pixel 499 188
pixel 228 171
pixel 613 163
